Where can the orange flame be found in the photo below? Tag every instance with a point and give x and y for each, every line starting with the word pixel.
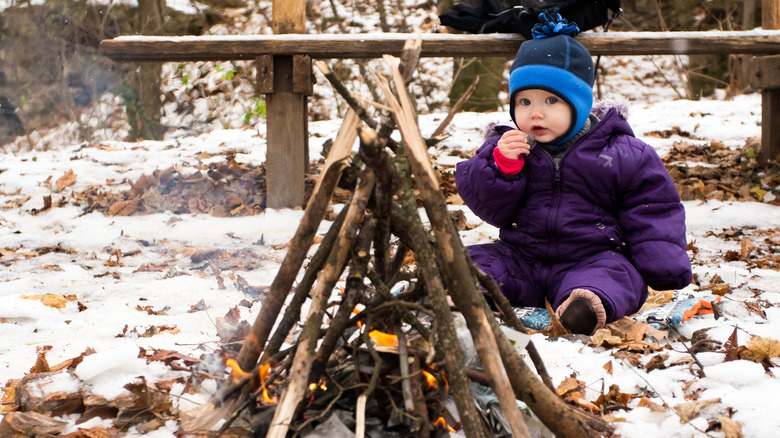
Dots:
pixel 263 371
pixel 383 339
pixel 312 386
pixel 442 423
pixel 358 308
pixel 236 373
pixel 432 382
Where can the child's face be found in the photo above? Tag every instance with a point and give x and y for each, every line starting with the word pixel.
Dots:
pixel 542 113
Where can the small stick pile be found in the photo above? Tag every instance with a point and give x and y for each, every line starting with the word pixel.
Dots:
pixel 383 209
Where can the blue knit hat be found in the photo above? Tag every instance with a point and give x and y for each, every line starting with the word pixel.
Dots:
pixel 555 62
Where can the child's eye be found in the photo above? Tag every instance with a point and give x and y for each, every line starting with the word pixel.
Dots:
pixel 551 100
pixel 525 102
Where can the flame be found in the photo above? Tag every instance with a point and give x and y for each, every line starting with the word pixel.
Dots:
pixel 323 386
pixel 442 423
pixel 358 308
pixel 432 382
pixel 236 373
pixel 383 339
pixel 263 371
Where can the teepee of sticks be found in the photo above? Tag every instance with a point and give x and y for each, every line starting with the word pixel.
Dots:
pixel 383 209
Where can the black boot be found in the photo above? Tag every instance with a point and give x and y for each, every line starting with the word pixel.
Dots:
pixel 579 317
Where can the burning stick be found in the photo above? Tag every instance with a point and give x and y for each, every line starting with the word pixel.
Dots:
pixel 299 373
pixel 455 265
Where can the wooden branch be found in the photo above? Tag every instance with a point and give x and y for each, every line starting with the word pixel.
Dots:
pixel 511 318
pixel 299 246
pixel 445 326
pixel 293 312
pixel 420 406
pixel 455 108
pixel 455 266
pixel 354 288
pixel 326 280
pixel 345 94
pixel 375 45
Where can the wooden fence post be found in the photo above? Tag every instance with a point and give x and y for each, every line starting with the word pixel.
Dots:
pixel 286 81
pixel 770 96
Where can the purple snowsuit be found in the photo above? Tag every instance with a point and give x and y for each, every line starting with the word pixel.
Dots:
pixel 608 218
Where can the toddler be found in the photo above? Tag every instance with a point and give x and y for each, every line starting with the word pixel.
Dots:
pixel 588 214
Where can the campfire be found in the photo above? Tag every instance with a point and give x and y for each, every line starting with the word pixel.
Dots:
pixel 405 348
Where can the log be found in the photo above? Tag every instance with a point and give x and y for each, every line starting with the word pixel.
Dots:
pixel 293 312
pixel 446 332
pixel 513 321
pixel 455 266
pixel 304 356
pixel 375 45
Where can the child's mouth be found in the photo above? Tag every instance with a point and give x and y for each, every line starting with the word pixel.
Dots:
pixel 538 130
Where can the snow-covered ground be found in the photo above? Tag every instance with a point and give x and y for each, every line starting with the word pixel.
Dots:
pixel 104 266
pixel 72 282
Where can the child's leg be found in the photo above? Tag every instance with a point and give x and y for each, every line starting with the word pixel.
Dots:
pixel 512 275
pixel 609 276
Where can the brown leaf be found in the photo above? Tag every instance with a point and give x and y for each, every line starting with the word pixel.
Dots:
pixel 66 180
pixel 731 347
pixel 41 364
pixel 760 349
pixel 645 402
pixel 56 301
pixel 568 385
pixel 197 307
pixel 557 328
pixel 123 208
pixel 30 424
pixel 604 338
pixel 731 428
pixel 746 247
pixel 93 432
pixel 656 362
pixel 690 410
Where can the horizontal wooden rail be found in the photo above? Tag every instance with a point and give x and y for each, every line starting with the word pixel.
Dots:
pixel 373 45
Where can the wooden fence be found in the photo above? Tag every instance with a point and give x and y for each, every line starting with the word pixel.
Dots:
pixel 284 70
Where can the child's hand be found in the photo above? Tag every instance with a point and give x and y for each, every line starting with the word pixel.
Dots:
pixel 513 144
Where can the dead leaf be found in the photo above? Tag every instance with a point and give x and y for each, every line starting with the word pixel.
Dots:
pixel 568 385
pixel 731 347
pixel 41 364
pixel 56 301
pixel 604 338
pixel 720 289
pixel 759 349
pixel 746 247
pixel 657 362
pixel 645 402
pixel 197 307
pixel 731 428
pixel 30 424
pixel 66 180
pixel 149 310
pixel 608 366
pixel 123 208
pixel 557 329
pixel 690 410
